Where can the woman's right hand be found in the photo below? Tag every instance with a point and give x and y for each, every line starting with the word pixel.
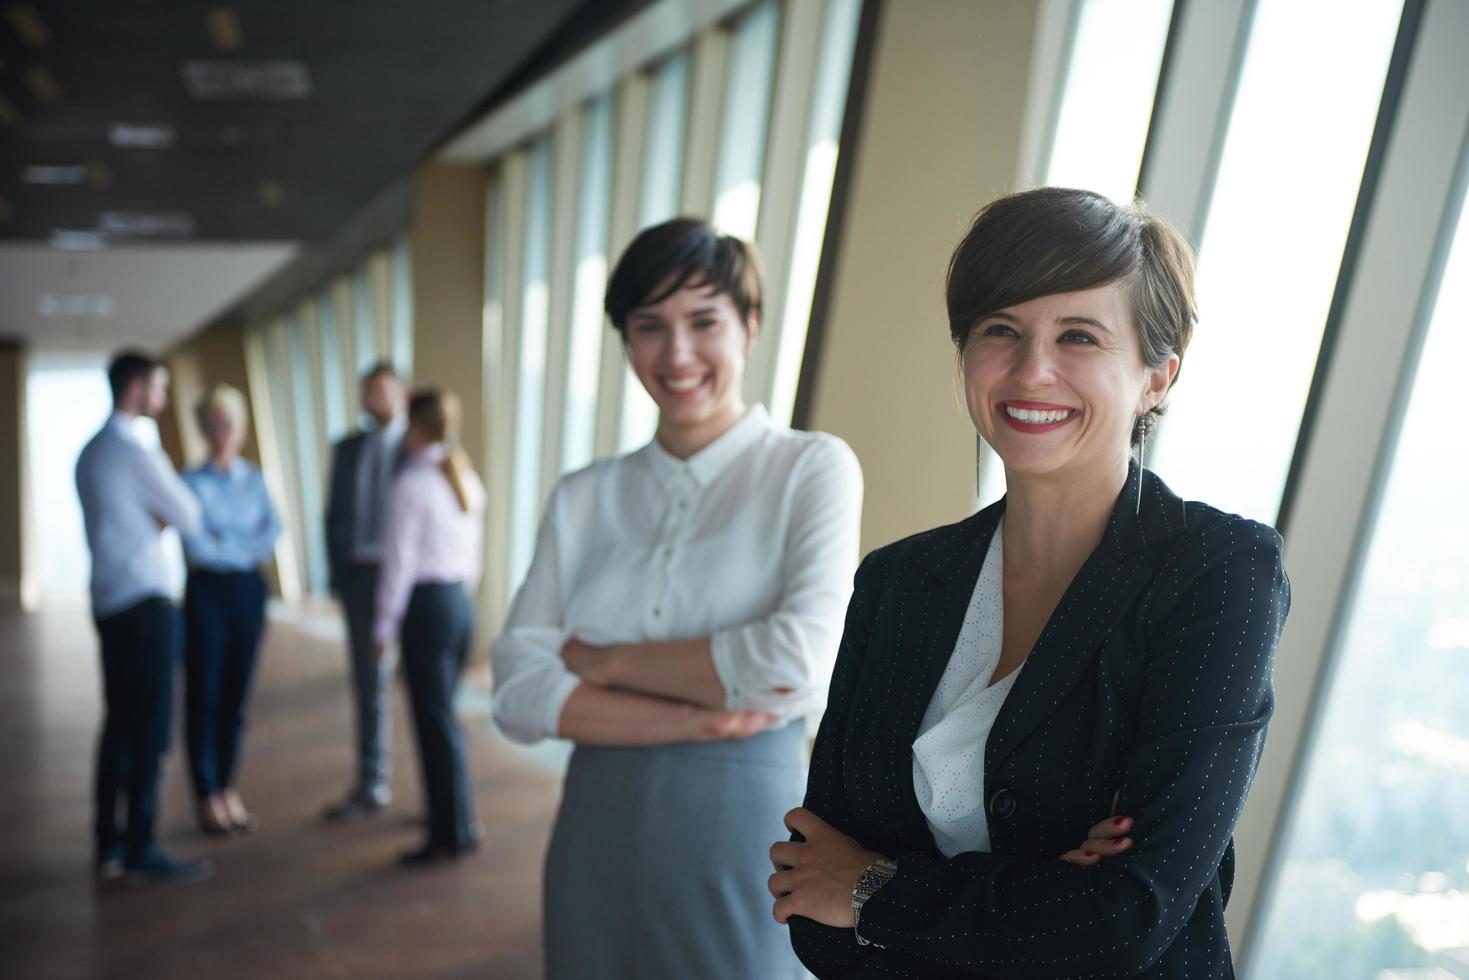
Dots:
pixel 730 725
pixel 1104 840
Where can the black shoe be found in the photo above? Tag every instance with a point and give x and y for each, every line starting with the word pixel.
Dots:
pixel 364 803
pixel 108 864
pixel 434 853
pixel 155 867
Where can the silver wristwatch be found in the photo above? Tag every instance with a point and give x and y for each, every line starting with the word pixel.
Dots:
pixel 877 874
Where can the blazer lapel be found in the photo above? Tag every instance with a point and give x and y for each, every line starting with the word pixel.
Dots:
pixel 1108 583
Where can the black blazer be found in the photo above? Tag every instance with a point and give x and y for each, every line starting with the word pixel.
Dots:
pixel 341 506
pixel 1152 678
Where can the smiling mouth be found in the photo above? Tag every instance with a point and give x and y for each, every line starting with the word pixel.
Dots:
pixel 682 386
pixel 1037 418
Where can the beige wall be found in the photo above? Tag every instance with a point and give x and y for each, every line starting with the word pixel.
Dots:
pixel 941 136
pixel 13 565
pixel 447 236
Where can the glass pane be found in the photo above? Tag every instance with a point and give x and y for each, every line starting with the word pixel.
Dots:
pixel 828 103
pixel 663 152
pixel 1107 101
pixel 1264 294
pixel 1376 869
pixel 530 387
pixel 365 339
pixel 67 401
pixel 402 324
pixel 309 465
pixel 746 119
pixel 585 356
pixel 278 373
pixel 657 201
pixel 333 398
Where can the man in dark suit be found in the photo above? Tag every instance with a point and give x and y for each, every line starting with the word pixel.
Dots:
pixel 362 469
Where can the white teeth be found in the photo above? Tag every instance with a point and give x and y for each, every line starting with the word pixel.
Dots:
pixel 1035 417
pixel 683 384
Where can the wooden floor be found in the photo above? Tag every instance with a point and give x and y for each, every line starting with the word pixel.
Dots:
pixel 298 898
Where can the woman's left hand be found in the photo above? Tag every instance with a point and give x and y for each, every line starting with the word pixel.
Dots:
pixel 815 879
pixel 586 660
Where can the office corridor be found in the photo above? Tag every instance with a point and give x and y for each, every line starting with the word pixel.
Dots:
pixel 298 898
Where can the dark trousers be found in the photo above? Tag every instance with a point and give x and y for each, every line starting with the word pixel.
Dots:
pixel 224 618
pixel 435 641
pixel 372 679
pixel 139 651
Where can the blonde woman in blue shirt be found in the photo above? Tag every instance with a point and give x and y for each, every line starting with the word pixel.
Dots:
pixel 224 607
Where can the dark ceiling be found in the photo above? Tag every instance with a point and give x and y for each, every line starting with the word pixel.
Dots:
pixel 388 81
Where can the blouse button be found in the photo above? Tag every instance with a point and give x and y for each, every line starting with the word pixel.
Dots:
pixel 1002 805
pixel 657 612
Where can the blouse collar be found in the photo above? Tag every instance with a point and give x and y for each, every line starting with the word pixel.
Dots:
pixel 706 464
pixel 431 455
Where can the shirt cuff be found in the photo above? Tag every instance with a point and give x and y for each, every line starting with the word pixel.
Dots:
pixel 724 656
pixel 754 694
pixel 556 698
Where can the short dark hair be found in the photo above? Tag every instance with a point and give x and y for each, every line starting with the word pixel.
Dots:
pixel 380 367
pixel 126 367
pixel 1059 240
pixel 684 252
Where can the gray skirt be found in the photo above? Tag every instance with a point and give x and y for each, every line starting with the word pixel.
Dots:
pixel 659 859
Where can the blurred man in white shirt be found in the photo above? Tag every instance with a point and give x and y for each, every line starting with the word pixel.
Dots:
pixel 129 494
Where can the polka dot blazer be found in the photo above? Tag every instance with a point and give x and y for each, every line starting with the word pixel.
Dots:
pixel 1152 679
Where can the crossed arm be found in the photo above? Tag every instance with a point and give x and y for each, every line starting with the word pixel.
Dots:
pixel 727 685
pixel 548 683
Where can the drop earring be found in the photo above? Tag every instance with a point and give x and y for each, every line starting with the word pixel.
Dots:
pixel 1142 445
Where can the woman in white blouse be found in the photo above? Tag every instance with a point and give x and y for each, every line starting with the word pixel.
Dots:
pixel 678 621
pixel 431 562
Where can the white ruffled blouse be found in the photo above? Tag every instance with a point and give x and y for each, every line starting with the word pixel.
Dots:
pixel 948 755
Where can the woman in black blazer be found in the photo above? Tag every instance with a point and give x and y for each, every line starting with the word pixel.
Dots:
pixel 1091 653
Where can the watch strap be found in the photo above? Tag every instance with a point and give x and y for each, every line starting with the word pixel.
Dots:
pixel 872 878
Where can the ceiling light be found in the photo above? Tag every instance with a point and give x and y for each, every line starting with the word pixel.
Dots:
pixel 146 224
pixel 27 25
pixel 99 175
pixel 75 306
pixel 53 173
pixel 211 80
pixel 143 136
pixel 224 28
pixel 77 239
pixel 42 85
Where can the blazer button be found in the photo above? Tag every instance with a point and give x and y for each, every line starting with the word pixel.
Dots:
pixel 1002 805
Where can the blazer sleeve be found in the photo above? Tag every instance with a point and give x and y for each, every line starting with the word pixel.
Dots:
pixel 339 509
pixel 829 952
pixel 1202 717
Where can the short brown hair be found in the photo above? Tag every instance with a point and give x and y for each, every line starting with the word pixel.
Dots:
pixel 1059 240
pixel 684 252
